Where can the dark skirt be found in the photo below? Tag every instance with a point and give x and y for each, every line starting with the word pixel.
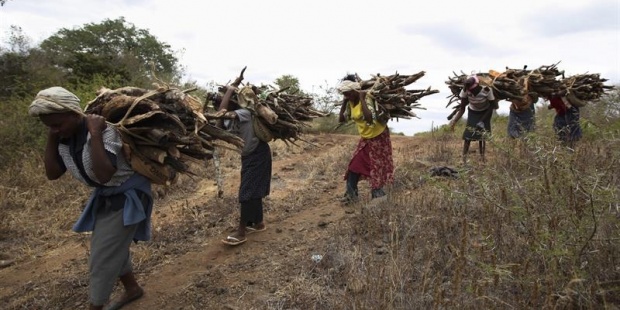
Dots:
pixel 567 125
pixel 256 173
pixel 472 132
pixel 520 122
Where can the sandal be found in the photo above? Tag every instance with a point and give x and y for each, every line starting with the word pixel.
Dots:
pixel 251 230
pixel 230 240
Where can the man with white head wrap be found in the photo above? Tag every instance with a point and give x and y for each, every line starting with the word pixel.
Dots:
pixel 54 100
pixel 119 208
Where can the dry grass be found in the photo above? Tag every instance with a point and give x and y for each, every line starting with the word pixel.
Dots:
pixel 531 229
pixel 536 227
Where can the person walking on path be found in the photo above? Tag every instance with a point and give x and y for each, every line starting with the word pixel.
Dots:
pixel 119 208
pixel 372 159
pixel 256 163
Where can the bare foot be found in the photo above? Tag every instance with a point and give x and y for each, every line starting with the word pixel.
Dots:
pixel 126 298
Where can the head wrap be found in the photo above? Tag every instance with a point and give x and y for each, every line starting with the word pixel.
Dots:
pixel 54 100
pixel 347 85
pixel 472 81
pixel 246 97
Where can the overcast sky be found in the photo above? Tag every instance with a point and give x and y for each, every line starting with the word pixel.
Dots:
pixel 320 41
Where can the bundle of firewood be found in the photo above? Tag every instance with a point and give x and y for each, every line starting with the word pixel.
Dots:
pixel 391 95
pixel 512 84
pixel 585 86
pixel 516 85
pixel 163 129
pixel 282 114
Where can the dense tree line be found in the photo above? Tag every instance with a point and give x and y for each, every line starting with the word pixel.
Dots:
pixel 114 51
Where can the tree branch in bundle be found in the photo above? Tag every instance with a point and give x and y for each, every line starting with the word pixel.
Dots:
pixel 281 113
pixel 163 129
pixel 391 95
pixel 522 86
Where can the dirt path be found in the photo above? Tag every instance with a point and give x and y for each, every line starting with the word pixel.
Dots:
pixel 235 277
pixel 185 266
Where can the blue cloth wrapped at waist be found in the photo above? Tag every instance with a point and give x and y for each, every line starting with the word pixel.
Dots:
pixel 134 212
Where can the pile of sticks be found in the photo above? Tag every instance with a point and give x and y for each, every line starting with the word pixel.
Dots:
pixel 285 115
pixel 585 86
pixel 391 95
pixel 163 129
pixel 516 85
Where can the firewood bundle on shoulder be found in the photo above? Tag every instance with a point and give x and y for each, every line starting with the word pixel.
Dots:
pixel 522 87
pixel 512 84
pixel 582 88
pixel 391 95
pixel 280 115
pixel 163 129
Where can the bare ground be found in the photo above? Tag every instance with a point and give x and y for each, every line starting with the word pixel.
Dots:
pixel 185 266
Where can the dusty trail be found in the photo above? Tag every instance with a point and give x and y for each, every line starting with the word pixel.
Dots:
pixel 185 266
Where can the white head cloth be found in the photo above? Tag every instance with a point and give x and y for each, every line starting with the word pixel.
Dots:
pixel 54 100
pixel 347 85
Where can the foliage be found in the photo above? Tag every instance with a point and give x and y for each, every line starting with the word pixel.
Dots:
pixel 289 84
pixel 111 48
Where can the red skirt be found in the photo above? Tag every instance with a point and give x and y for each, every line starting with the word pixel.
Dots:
pixel 372 159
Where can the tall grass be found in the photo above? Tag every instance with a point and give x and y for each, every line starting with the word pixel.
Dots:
pixel 537 226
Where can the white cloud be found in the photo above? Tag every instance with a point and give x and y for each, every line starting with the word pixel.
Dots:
pixel 322 40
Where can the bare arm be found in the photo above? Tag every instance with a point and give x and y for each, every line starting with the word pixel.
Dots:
pixel 367 113
pixel 102 166
pixel 53 168
pixel 226 99
pixel 343 108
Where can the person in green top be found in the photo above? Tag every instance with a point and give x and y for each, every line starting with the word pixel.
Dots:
pixel 372 159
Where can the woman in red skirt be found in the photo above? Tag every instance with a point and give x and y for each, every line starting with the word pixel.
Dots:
pixel 372 159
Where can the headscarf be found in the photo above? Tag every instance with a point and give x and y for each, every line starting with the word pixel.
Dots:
pixel 347 85
pixel 54 100
pixel 473 81
pixel 246 97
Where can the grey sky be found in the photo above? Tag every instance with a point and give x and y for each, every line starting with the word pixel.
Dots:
pixel 319 41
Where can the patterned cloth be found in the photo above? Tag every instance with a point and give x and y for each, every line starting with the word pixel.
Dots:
pixel 113 145
pixel 480 101
pixel 372 159
pixel 75 154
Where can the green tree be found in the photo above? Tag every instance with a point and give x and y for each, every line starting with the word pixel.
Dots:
pixel 290 84
pixel 112 48
pixel 24 69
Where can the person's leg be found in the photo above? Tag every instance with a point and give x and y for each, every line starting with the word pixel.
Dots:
pixel 482 148
pixel 109 255
pixel 251 215
pixel 377 193
pixel 352 182
pixel 132 292
pixel 256 221
pixel 466 144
